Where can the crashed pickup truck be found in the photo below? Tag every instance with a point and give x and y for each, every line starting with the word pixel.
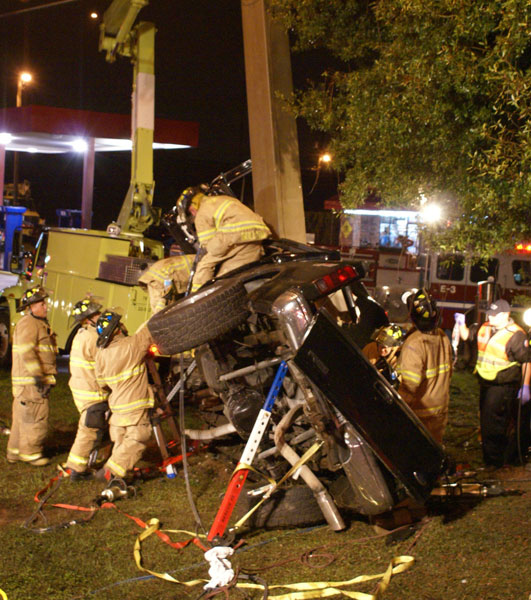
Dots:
pixel 306 308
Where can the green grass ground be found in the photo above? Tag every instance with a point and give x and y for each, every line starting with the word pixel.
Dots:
pixel 469 548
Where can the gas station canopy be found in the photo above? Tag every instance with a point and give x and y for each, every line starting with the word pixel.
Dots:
pixel 51 130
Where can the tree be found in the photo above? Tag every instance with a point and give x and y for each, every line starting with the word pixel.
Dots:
pixel 431 97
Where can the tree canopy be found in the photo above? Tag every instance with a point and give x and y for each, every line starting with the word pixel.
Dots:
pixel 431 98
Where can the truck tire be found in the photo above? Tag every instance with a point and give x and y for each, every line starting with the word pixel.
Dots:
pixel 199 318
pixel 295 506
pixel 5 349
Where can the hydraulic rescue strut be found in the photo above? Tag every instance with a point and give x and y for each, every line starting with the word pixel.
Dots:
pixel 239 476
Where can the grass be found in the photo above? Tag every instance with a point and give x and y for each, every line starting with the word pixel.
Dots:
pixel 470 548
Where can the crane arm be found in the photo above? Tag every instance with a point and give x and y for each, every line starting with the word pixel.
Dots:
pixel 118 36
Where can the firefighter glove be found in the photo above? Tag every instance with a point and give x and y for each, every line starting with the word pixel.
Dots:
pixel 524 394
pixel 459 319
pixel 42 387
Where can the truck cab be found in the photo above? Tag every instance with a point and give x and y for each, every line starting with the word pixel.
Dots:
pixel 73 263
pixel 459 285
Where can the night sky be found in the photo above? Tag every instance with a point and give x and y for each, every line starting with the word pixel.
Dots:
pixel 200 77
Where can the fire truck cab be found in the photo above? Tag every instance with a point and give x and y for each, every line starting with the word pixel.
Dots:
pixel 459 285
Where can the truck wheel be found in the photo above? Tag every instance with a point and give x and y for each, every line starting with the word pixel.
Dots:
pixel 5 350
pixel 199 318
pixel 295 506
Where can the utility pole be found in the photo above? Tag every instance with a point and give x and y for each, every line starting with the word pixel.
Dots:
pixel 273 131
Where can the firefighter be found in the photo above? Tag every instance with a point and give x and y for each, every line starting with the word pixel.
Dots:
pixel 504 371
pixel 384 349
pixel 90 399
pixel 120 367
pixel 32 376
pixel 425 365
pixel 165 274
pixel 230 233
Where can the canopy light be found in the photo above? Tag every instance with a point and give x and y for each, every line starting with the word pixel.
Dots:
pixel 5 139
pixel 79 145
pixel 57 144
pixel 404 214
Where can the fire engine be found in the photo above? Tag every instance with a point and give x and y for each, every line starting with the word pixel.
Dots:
pixel 458 285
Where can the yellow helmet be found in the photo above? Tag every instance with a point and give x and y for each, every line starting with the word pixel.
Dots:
pixel 31 296
pixel 389 335
pixel 84 309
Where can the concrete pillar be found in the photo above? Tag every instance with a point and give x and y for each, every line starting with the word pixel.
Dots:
pixel 2 172
pixel 273 131
pixel 87 192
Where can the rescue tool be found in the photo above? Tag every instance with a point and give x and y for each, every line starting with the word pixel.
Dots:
pixel 239 476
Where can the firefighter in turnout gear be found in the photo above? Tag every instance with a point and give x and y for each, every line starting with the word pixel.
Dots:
pixel 425 365
pixel 166 273
pixel 120 367
pixel 384 349
pixel 503 357
pixel 90 399
pixel 229 232
pixel 32 376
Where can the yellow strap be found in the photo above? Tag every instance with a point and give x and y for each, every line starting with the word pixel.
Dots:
pixel 3 595
pixel 305 457
pixel 153 525
pixel 301 591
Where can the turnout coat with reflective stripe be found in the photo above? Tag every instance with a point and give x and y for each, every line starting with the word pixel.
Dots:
pixel 228 216
pixel 425 365
pixel 83 385
pixel 173 268
pixel 121 368
pixel 34 352
pixel 492 350
pixel 225 229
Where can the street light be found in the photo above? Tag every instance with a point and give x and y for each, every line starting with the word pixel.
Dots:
pixel 24 79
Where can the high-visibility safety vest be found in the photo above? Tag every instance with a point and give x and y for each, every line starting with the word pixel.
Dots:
pixel 492 356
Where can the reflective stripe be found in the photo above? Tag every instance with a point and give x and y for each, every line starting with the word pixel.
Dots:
pixel 410 376
pixel 206 235
pixel 429 412
pixel 438 370
pixel 164 274
pixel 79 460
pixel 13 450
pixel 76 361
pixel 220 212
pixel 123 376
pixel 89 394
pixel 30 457
pixel 30 380
pixel 20 380
pixel 46 348
pixel 244 225
pixel 492 356
pixel 130 406
pixel 117 468
pixel 22 347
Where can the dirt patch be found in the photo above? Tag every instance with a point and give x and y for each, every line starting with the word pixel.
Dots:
pixel 16 512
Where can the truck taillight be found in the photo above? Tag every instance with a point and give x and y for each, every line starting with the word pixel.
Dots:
pixel 335 280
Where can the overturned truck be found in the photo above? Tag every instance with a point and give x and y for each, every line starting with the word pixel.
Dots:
pixel 308 308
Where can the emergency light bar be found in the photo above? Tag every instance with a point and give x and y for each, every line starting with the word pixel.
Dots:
pixel 525 247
